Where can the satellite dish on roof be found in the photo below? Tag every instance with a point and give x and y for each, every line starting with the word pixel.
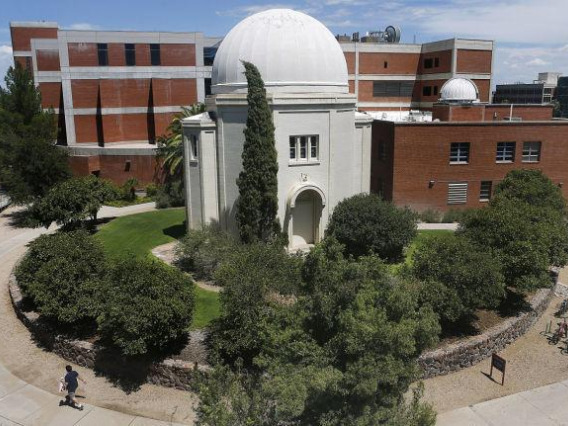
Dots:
pixel 392 34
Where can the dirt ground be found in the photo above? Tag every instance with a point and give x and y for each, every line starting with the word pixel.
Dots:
pixel 531 363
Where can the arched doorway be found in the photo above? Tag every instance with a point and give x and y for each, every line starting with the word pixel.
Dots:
pixel 306 215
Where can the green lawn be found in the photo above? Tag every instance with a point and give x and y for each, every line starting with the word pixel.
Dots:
pixel 138 234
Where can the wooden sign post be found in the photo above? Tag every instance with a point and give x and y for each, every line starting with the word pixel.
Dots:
pixel 499 364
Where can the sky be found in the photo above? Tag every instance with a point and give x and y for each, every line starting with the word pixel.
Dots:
pixel 531 36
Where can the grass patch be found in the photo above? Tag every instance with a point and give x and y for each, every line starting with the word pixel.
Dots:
pixel 207 308
pixel 138 234
pixel 124 203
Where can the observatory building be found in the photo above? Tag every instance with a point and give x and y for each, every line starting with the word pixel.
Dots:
pixel 323 143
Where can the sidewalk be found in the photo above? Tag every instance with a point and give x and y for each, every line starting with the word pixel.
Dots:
pixel 28 374
pixel 24 404
pixel 544 406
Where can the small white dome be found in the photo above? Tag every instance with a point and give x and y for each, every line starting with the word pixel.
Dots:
pixel 294 53
pixel 459 89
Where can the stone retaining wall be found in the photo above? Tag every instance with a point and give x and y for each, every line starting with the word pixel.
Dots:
pixel 180 374
pixel 463 354
pixel 169 372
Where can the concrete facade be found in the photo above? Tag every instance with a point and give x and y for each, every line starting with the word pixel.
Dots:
pixel 323 145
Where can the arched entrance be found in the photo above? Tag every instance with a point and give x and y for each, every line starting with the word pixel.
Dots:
pixel 306 215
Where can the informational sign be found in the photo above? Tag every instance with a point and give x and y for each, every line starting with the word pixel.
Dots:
pixel 499 364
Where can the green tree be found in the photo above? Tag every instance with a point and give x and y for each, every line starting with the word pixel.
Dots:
pixel 20 95
pixel 249 277
pixel 148 305
pixel 61 274
pixel 70 202
pixel 365 224
pixel 532 187
pixel 30 163
pixel 454 262
pixel 170 146
pixel 353 369
pixel 526 239
pixel 257 205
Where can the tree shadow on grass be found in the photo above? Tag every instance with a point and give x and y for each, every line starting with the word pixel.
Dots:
pixel 176 231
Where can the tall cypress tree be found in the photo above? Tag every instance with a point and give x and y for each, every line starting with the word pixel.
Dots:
pixel 258 182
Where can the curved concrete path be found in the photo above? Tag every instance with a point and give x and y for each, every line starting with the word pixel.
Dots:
pixel 22 403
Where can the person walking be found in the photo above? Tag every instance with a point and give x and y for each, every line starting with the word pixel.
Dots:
pixel 71 384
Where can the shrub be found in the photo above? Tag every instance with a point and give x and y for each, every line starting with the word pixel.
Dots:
pixel 453 215
pixel 527 239
pixel 367 224
pixel 128 189
pixel 70 202
pixel 430 216
pixel 202 251
pixel 170 194
pixel 61 275
pixel 151 190
pixel 468 272
pixel 148 306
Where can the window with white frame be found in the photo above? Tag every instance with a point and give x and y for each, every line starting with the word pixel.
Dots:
pixel 505 152
pixel 459 153
pixel 485 190
pixel 304 148
pixel 457 193
pixel 531 152
pixel 193 147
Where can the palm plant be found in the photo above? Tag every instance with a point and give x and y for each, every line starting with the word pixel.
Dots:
pixel 170 146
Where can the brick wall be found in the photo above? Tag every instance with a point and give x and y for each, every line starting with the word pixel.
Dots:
pixel 48 60
pixel 86 128
pixel 21 36
pixel 50 95
pixel 474 61
pixel 174 92
pixel 444 62
pixel 397 63
pixel 114 167
pixel 121 93
pixel 83 54
pixel 177 54
pixel 421 155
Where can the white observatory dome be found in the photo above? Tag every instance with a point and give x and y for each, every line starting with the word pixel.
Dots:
pixel 294 53
pixel 459 89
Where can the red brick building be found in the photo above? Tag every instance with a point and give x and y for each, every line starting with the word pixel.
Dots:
pixel 115 92
pixel 456 160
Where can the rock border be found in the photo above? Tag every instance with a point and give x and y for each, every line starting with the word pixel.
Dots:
pixel 463 354
pixel 180 374
pixel 168 373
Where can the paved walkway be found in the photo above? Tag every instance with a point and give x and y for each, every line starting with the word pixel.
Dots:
pixel 23 403
pixel 544 406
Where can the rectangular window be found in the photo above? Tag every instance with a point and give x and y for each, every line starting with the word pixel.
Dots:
pixel 531 152
pixel 155 54
pixel 386 64
pixel 304 148
pixel 194 150
pixel 102 50
pixel 459 153
pixel 129 54
pixel 505 152
pixel 457 193
pixel 207 82
pixel 436 62
pixel 428 63
pixel 393 89
pixel 435 90
pixel 485 190
pixel 427 91
pixel 209 55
